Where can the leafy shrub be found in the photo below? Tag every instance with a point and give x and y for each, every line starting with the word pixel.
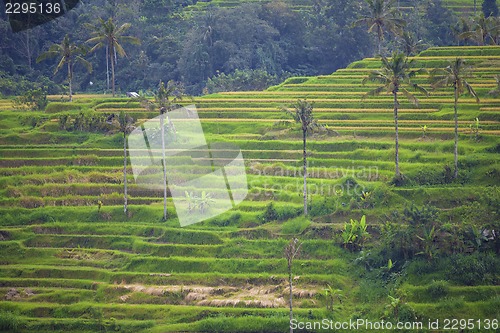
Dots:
pixel 34 100
pixel 9 321
pixel 270 214
pixel 420 216
pixel 32 121
pixel 55 107
pixel 287 212
pixel 438 289
pixel 241 80
pixel 319 208
pixel 472 269
pixel 296 225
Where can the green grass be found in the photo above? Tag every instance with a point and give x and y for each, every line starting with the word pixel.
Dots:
pixel 94 269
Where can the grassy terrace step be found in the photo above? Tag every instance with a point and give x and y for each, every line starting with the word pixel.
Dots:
pixel 423 294
pixel 93 248
pixel 129 311
pixel 211 279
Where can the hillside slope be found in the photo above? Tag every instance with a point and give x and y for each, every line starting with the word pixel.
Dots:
pixel 68 264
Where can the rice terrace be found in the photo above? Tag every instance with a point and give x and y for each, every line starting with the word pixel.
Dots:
pixel 357 144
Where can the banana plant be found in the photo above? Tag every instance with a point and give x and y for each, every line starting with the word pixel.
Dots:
pixel 424 131
pixel 393 306
pixel 428 246
pixel 330 296
pixel 191 199
pixel 354 233
pixel 204 202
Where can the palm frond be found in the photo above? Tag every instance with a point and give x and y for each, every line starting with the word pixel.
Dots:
pixel 471 91
pixel 420 89
pixel 84 62
pixel 374 92
pixel 130 40
pixel 409 96
pixel 119 49
pixel 46 55
pixel 60 64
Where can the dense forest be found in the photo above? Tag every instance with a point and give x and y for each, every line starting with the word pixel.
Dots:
pixel 211 48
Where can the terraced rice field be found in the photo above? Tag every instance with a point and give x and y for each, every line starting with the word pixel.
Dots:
pixel 68 265
pixel 458 6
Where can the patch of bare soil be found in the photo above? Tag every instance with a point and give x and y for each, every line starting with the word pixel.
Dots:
pixel 267 296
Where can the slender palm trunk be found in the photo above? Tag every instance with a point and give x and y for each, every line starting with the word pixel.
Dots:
pixel 291 294
pixel 455 151
pixel 112 71
pixel 70 79
pixel 379 44
pixel 124 172
pixel 396 104
pixel 162 123
pixel 28 48
pixel 107 68
pixel 304 138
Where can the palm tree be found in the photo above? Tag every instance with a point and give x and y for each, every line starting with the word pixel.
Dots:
pixel 107 34
pixel 455 75
pixel 70 54
pixel 126 127
pixel 410 44
pixel 303 114
pixel 483 30
pixel 495 92
pixel 395 74
pixel 165 100
pixel 382 18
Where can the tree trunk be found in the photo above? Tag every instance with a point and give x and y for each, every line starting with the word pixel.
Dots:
pixel 28 48
pixel 124 172
pixel 304 136
pixel 455 150
pixel 379 45
pixel 112 71
pixel 162 126
pixel 398 174
pixel 70 78
pixel 107 68
pixel 291 294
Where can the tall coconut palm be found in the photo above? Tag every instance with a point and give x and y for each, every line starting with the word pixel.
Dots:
pixel 396 75
pixel 69 53
pixel 382 17
pixel 110 36
pixel 126 127
pixel 165 100
pixel 454 75
pixel 410 44
pixel 303 113
pixel 496 91
pixel 483 30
